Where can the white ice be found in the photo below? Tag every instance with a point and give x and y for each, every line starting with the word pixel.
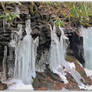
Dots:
pixel 16 84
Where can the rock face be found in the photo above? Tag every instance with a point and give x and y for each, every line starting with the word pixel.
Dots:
pixel 46 80
pixel 76 46
pixel 79 68
pixel 44 41
pixel 51 81
pixel 4 40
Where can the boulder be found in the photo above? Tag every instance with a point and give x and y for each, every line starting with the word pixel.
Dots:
pixel 48 80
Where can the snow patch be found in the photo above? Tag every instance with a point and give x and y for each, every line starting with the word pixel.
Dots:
pixel 88 72
pixel 86 87
pixel 62 76
pixel 16 84
pixel 64 89
pixel 71 65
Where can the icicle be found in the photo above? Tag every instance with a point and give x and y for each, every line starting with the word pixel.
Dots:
pixel 34 54
pixel 62 33
pixel 4 63
pixel 57 61
pixel 25 56
pixel 20 31
pixel 87 43
pixel 18 52
pixel 54 56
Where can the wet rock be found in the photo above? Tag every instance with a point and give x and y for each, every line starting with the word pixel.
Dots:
pixel 72 85
pixel 76 45
pixel 37 4
pixel 89 81
pixel 47 81
pixel 79 68
pixel 44 41
pixel 4 40
pixel 35 33
pixel 58 32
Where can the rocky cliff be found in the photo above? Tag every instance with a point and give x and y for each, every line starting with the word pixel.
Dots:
pixel 40 16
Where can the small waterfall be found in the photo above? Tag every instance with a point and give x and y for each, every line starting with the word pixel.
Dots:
pixel 25 55
pixel 57 61
pixel 87 43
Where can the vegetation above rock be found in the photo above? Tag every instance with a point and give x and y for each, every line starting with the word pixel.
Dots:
pixel 71 14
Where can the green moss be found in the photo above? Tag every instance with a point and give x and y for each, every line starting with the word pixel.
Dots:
pixel 9 16
pixel 58 22
pixel 69 58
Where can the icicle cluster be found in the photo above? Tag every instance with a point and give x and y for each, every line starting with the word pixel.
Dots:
pixel 87 43
pixel 25 55
pixel 57 61
pixel 57 54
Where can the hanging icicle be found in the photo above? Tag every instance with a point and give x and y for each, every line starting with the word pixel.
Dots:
pixel 25 56
pixel 4 63
pixel 57 61
pixel 87 43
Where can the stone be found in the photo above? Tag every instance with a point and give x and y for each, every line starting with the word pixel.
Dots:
pixel 47 81
pixel 76 45
pixel 3 86
pixel 44 41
